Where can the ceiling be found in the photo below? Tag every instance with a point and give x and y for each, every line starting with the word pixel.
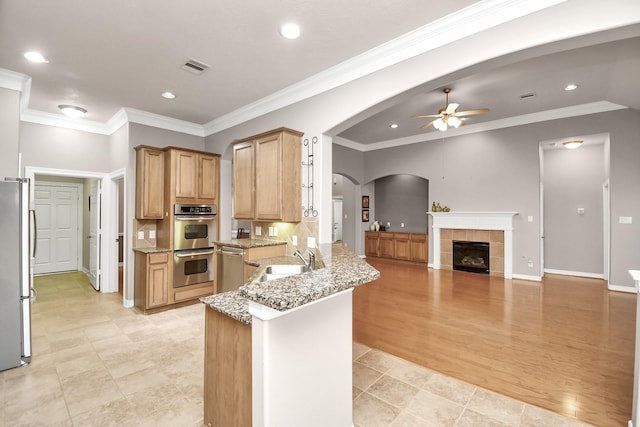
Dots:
pixel 104 56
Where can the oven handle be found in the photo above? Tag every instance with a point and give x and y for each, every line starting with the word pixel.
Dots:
pixel 194 217
pixel 184 254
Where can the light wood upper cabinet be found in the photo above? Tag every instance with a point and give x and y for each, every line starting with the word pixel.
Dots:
pixel 149 183
pixel 267 183
pixel 195 176
pixel 243 178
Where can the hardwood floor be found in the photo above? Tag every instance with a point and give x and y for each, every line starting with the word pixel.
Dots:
pixel 565 344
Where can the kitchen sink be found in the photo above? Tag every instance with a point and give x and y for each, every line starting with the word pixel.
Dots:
pixel 278 271
pixel 286 269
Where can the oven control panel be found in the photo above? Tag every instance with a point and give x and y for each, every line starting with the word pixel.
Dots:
pixel 194 209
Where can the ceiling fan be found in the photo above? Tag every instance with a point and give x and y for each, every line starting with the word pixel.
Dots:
pixel 448 116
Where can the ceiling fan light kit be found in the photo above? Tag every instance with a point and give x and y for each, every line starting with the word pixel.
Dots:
pixel 448 116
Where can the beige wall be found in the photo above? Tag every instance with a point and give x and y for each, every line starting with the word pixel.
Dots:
pixel 9 132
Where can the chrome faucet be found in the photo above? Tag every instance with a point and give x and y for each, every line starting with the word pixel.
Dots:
pixel 312 259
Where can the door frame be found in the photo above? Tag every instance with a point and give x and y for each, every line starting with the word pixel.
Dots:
pixel 109 280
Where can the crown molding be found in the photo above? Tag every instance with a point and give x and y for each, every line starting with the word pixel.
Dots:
pixel 458 25
pixel 542 116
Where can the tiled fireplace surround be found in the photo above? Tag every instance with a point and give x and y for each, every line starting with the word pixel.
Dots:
pixel 496 228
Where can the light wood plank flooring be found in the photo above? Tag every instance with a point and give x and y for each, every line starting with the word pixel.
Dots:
pixel 565 344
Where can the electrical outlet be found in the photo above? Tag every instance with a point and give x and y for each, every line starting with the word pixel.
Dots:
pixel 626 220
pixel 152 234
pixel 141 235
pixel 270 231
pixel 580 211
pixel 311 242
pixel 530 263
pixel 258 230
pixel 294 240
pixel 275 231
pixel 530 218
pixel 402 225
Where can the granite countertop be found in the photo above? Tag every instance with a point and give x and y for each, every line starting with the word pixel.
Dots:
pixel 250 243
pixel 344 270
pixel 151 250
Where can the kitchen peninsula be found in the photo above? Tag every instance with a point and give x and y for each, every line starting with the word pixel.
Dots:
pixel 279 352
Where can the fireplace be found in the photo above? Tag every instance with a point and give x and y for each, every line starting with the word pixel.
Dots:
pixel 471 256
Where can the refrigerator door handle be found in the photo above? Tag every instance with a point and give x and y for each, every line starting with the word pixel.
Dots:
pixel 35 232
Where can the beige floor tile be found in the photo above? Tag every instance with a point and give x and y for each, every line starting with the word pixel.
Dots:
pixel 145 379
pixel 359 350
pixel 378 360
pixel 84 362
pixel 151 400
pixel 364 376
pixel 180 412
pixel 90 390
pixel 471 418
pixel 435 409
pixel 407 420
pixel 450 388
pixel 496 406
pixel 45 410
pixel 369 411
pixel 101 331
pixel 31 386
pixel 410 373
pixel 394 391
pixel 117 413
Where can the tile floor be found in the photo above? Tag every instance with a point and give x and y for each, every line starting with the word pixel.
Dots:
pixel 96 363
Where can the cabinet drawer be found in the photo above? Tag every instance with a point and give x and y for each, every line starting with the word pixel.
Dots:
pixel 159 258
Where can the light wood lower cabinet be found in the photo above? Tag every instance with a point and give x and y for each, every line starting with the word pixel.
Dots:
pixel 152 279
pixel 227 371
pixel 402 246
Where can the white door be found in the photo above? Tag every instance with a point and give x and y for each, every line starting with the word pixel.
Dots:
pixel 95 233
pixel 337 220
pixel 57 219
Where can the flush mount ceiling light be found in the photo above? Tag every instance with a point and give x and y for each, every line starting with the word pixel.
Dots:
pixel 394 126
pixel 35 57
pixel 573 144
pixel 168 95
pixel 72 111
pixel 290 31
pixel 571 86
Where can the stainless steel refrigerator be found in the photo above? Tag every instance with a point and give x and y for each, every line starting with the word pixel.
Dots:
pixel 15 273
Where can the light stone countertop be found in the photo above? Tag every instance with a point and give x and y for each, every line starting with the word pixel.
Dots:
pixel 344 270
pixel 151 250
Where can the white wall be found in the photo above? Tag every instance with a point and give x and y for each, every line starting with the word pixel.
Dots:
pixel 9 130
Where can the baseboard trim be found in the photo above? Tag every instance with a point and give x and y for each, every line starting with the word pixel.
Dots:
pixel 574 273
pixel 619 288
pixel 526 277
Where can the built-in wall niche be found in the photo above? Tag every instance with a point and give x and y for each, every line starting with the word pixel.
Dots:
pixel 402 199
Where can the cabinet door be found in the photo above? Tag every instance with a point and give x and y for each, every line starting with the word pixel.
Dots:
pixel 371 243
pixel 149 184
pixel 268 184
pixel 243 173
pixel 419 248
pixel 207 177
pixel 386 245
pixel 157 279
pixel 402 247
pixel 186 174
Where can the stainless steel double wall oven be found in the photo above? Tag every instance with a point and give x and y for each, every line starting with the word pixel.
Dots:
pixel 194 234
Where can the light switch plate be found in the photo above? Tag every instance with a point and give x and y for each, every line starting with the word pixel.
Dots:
pixel 294 240
pixel 152 234
pixel 275 231
pixel 258 230
pixel 626 220
pixel 311 242
pixel 140 235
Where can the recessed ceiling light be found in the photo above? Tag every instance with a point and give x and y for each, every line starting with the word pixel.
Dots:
pixel 35 57
pixel 571 87
pixel 168 95
pixel 290 31
pixel 573 144
pixel 72 111
pixel 394 126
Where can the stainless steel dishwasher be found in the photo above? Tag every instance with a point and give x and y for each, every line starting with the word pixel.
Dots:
pixel 230 268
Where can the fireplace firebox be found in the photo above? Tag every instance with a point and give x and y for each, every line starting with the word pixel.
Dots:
pixel 471 256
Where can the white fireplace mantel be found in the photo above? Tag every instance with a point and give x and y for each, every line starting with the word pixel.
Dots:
pixel 475 221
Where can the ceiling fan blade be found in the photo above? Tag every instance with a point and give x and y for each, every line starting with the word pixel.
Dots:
pixel 472 112
pixel 424 116
pixel 451 108
pixel 428 124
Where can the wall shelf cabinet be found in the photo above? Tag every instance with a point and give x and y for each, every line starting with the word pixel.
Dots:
pixel 267 176
pixel 401 246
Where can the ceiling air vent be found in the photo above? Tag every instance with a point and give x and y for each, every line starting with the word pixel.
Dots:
pixel 195 67
pixel 528 96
